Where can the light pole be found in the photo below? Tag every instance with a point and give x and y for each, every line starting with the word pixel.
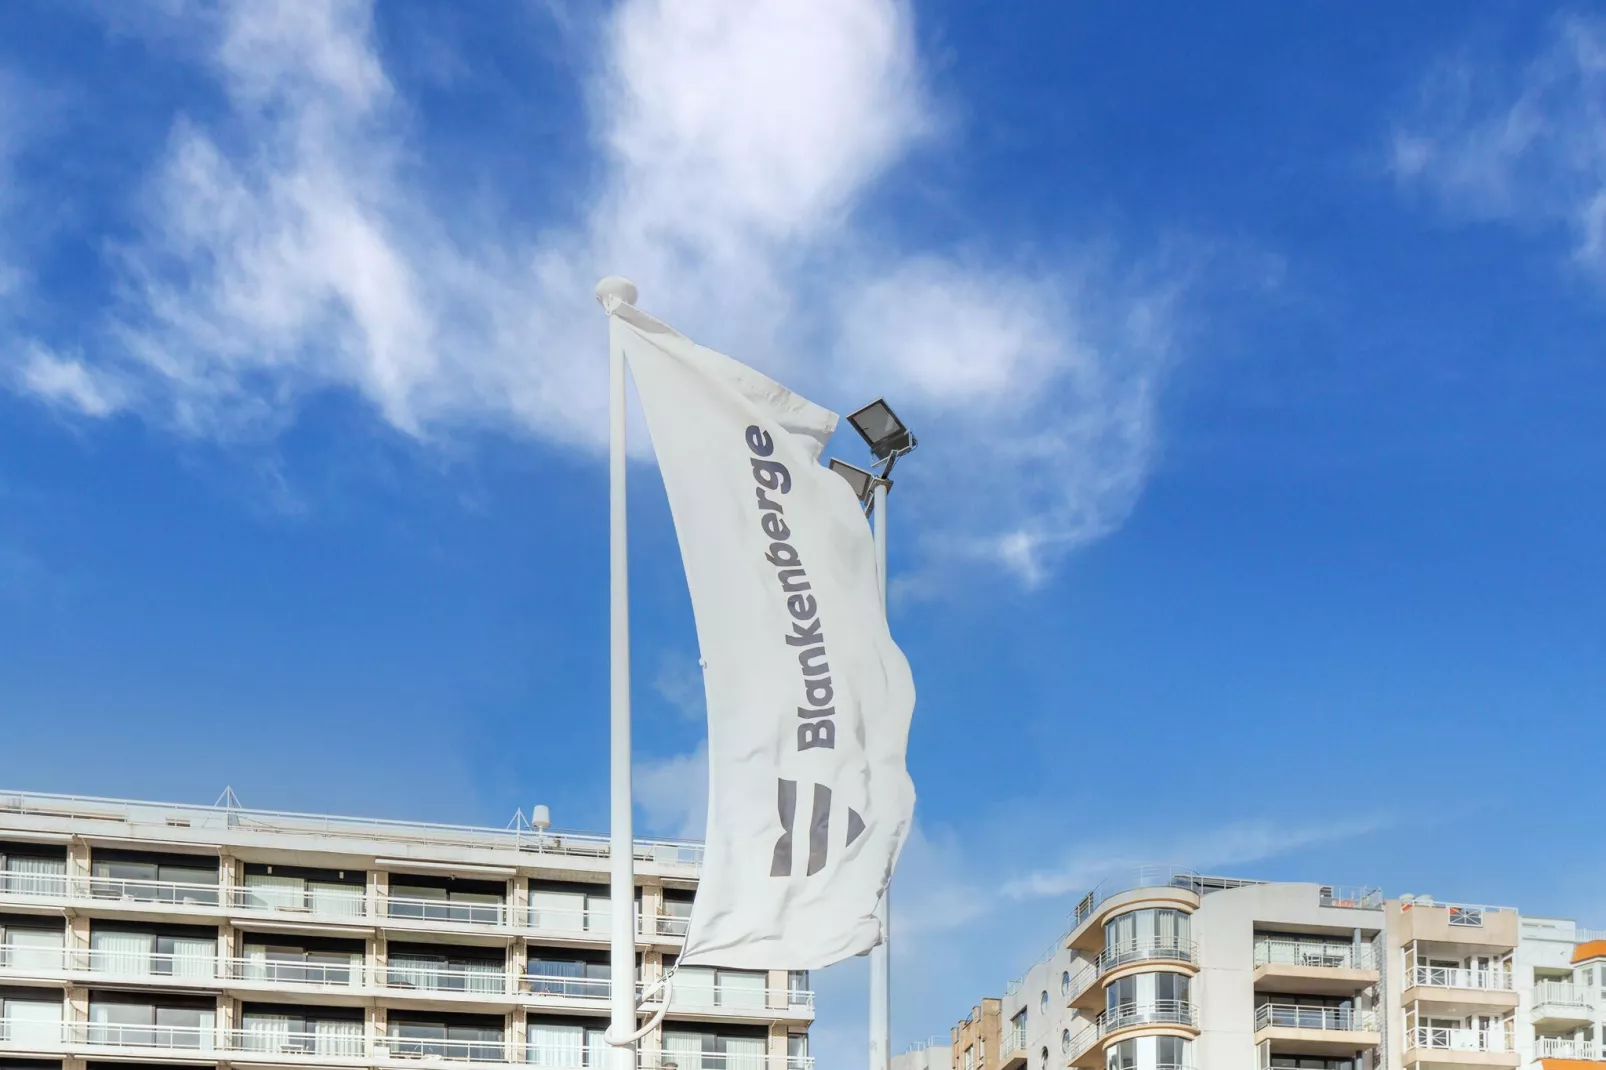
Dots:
pixel 888 439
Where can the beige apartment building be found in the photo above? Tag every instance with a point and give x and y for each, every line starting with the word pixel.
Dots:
pixel 136 933
pixel 1171 970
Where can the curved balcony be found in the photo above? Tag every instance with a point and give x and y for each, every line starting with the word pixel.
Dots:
pixel 1147 1012
pixel 1184 952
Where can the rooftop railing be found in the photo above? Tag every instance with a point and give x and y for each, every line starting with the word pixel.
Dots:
pixel 1146 876
pixel 1331 954
pixel 1458 977
pixel 1147 950
pixel 1470 915
pixel 1353 896
pixel 1303 1016
pixel 164 818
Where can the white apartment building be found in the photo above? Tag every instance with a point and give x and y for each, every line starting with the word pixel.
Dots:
pixel 135 933
pixel 1170 970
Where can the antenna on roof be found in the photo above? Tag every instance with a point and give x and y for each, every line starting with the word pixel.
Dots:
pixel 517 823
pixel 228 800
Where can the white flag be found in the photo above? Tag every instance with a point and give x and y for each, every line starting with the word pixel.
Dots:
pixel 809 699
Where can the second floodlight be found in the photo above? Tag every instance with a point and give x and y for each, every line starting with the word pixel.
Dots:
pixel 862 482
pixel 881 430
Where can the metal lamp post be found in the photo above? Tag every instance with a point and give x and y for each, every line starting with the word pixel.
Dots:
pixel 888 438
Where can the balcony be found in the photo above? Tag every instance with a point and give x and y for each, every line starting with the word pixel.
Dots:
pixel 1297 1029
pixel 1567 1048
pixel 1152 1012
pixel 455 980
pixel 1559 1005
pixel 296 974
pixel 1484 929
pixel 49 887
pixel 1478 1047
pixel 1148 950
pixel 1012 1054
pixel 1314 967
pixel 566 987
pixel 312 902
pixel 444 911
pixel 663 1060
pixel 1464 991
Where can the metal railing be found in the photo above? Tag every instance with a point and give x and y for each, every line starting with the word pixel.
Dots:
pixel 672 925
pixel 1566 1048
pixel 118 1035
pixel 1563 994
pixel 1013 1039
pixel 318 902
pixel 165 819
pixel 144 964
pixel 1292 951
pixel 1424 1036
pixel 1301 1016
pixel 115 889
pixel 1147 876
pixel 314 1044
pixel 664 1060
pixel 569 1056
pixel 309 974
pixel 1085 975
pixel 1353 896
pixel 469 1051
pixel 411 908
pixel 1470 915
pixel 427 977
pixel 1459 977
pixel 1147 1012
pixel 568 987
pixel 1147 950
pixel 27 961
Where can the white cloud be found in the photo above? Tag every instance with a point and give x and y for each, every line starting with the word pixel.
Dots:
pixel 671 793
pixel 679 682
pixel 67 382
pixel 1529 149
pixel 294 247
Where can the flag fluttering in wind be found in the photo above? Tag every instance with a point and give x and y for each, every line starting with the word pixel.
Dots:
pixel 809 699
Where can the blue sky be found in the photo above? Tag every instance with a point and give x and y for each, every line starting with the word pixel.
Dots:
pixel 1255 352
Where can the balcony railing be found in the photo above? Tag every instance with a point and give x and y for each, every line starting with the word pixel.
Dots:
pixel 1148 876
pixel 465 1051
pixel 144 964
pixel 1146 951
pixel 569 1057
pixel 1461 1039
pixel 1458 977
pixel 309 974
pixel 424 977
pixel 671 925
pixel 1287 951
pixel 55 886
pixel 1151 1012
pixel 1567 1048
pixel 1563 996
pixel 318 902
pixel 1013 1039
pixel 166 1037
pixel 665 1060
pixel 568 987
pixel 1354 896
pixel 1327 1019
pixel 341 1044
pixel 443 910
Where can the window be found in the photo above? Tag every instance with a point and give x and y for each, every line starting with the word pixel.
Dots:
pixel 447 1039
pixel 442 972
pixel 1170 1053
pixel 34 1022
pixel 1042 1002
pixel 148 1025
pixel 565 1045
pixel 559 975
pixel 797 988
pixel 294 1031
pixel 969 1062
pixel 1043 1059
pixel 1147 933
pixel 575 908
pixel 26 948
pixel 32 871
pixel 301 966
pixel 1589 975
pixel 176 880
pixel 148 954
pixel 797 1050
pixel 1122 1056
pixel 267 889
pixel 1065 983
pixel 688 1050
pixel 706 986
pixel 462 901
pixel 1065 1041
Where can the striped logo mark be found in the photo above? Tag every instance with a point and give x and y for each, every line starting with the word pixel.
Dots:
pixel 819 828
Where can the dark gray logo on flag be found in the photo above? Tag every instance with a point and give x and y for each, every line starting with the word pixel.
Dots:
pixel 819 828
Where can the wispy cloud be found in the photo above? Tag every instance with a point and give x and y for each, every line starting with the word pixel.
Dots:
pixel 291 247
pixel 679 682
pixel 672 793
pixel 1524 146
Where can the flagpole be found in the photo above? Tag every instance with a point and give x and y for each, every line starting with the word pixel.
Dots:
pixel 621 846
pixel 880 959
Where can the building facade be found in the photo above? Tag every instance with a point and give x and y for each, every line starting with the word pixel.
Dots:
pixel 1170 970
pixel 143 933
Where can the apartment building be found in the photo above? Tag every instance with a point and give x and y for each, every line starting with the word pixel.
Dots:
pixel 136 933
pixel 1170 970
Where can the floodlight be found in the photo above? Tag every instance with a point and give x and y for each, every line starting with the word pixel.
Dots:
pixel 881 430
pixel 862 482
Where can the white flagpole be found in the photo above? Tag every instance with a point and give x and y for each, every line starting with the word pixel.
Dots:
pixel 880 959
pixel 621 845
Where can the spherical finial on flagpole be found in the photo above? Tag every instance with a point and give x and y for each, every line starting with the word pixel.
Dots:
pixel 616 286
